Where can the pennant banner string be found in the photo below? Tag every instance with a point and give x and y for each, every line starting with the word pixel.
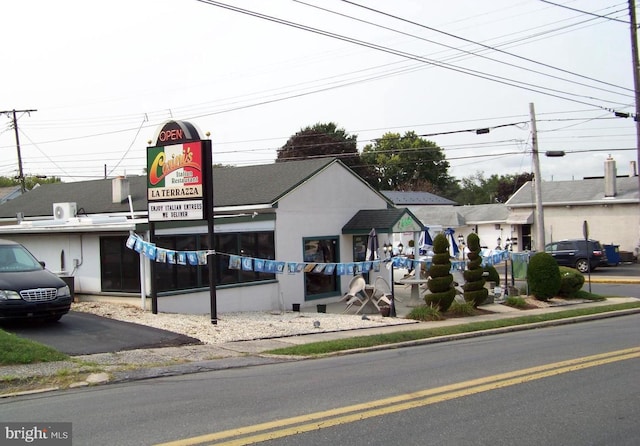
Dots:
pixel 245 263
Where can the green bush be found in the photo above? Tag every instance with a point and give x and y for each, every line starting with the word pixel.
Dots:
pixel 571 281
pixel 440 282
pixel 515 301
pixel 425 313
pixel 461 309
pixel 543 276
pixel 493 274
pixel 474 290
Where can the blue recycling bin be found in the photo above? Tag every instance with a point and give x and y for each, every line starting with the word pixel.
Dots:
pixel 613 254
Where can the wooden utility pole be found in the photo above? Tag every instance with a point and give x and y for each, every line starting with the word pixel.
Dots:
pixel 537 183
pixel 636 76
pixel 15 129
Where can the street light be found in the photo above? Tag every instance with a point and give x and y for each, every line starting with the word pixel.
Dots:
pixel 499 242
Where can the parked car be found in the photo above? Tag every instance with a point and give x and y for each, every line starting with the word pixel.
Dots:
pixel 575 254
pixel 27 289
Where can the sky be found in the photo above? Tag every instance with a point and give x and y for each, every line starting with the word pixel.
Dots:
pixel 102 78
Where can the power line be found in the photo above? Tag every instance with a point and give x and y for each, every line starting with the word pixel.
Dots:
pixel 12 113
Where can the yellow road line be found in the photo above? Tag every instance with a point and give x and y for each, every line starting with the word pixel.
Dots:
pixel 357 412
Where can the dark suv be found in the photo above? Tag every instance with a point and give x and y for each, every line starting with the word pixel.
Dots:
pixel 27 290
pixel 575 254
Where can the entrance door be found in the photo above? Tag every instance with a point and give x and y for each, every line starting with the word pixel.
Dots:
pixel 317 283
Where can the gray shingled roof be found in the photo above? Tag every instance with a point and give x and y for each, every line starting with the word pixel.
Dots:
pixel 382 220
pixel 401 198
pixel 587 191
pixel 233 186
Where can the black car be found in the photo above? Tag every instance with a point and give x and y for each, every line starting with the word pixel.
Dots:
pixel 575 254
pixel 27 289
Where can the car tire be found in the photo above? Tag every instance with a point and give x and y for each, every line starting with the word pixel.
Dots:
pixel 582 265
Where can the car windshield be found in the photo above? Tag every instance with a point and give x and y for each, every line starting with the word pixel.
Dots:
pixel 15 258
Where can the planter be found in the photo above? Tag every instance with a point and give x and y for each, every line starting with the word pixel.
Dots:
pixel 322 308
pixel 385 311
pixel 296 307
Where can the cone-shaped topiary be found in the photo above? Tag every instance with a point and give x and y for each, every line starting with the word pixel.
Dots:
pixel 474 290
pixel 440 281
pixel 543 275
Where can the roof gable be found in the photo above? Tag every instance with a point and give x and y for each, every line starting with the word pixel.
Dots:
pixel 384 221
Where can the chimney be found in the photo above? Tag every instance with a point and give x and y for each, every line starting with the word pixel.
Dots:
pixel 632 169
pixel 610 177
pixel 120 189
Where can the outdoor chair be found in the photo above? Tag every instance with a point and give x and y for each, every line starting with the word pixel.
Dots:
pixel 381 292
pixel 353 296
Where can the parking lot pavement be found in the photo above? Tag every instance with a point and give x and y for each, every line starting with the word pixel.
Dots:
pixel 84 333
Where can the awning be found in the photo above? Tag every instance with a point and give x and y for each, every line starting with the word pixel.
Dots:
pixel 520 217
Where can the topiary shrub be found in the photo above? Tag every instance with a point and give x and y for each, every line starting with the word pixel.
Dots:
pixel 571 281
pixel 440 281
pixel 493 274
pixel 474 290
pixel 543 276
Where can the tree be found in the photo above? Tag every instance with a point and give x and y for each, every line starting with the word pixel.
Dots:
pixel 321 140
pixel 476 189
pixel 29 181
pixel 406 162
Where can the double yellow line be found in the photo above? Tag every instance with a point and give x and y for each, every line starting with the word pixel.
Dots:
pixel 320 420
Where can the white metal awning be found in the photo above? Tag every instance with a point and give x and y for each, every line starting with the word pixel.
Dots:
pixel 520 217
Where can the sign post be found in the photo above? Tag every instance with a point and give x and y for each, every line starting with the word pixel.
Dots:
pixel 180 187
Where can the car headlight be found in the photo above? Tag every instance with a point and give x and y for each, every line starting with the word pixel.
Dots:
pixel 64 291
pixel 9 295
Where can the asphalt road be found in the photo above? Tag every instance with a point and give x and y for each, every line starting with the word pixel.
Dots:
pixel 80 333
pixel 535 387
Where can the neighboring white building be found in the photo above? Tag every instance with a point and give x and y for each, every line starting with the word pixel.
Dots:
pixel 291 211
pixel 610 205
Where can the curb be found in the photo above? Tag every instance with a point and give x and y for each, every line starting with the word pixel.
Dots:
pixel 489 332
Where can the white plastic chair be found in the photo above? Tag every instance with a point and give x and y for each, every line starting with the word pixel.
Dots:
pixel 381 292
pixel 352 297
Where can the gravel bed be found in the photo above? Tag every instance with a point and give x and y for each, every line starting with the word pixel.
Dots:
pixel 242 326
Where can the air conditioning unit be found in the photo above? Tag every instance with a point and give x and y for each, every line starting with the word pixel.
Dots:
pixel 64 211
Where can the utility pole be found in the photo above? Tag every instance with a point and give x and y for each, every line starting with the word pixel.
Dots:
pixel 537 182
pixel 15 129
pixel 636 75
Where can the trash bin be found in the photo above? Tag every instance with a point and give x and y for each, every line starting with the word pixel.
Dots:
pixel 613 254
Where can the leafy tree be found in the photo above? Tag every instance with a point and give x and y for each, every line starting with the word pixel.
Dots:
pixel 321 140
pixel 29 181
pixel 476 189
pixel 406 162
pixel 509 184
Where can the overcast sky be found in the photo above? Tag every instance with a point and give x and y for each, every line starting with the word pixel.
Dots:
pixel 103 76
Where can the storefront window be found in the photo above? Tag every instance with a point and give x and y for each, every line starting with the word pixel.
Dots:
pixel 120 266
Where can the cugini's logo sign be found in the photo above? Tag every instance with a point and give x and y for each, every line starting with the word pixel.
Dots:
pixel 161 167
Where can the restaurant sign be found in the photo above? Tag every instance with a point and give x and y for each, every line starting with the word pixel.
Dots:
pixel 176 170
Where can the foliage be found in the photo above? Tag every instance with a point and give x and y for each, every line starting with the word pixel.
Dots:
pixel 29 181
pixel 321 140
pixel 474 290
pixel 515 301
pixel 461 309
pixel 406 162
pixel 543 276
pixel 571 281
pixel 493 274
pixel 425 313
pixel 16 350
pixel 440 282
pixel 476 189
